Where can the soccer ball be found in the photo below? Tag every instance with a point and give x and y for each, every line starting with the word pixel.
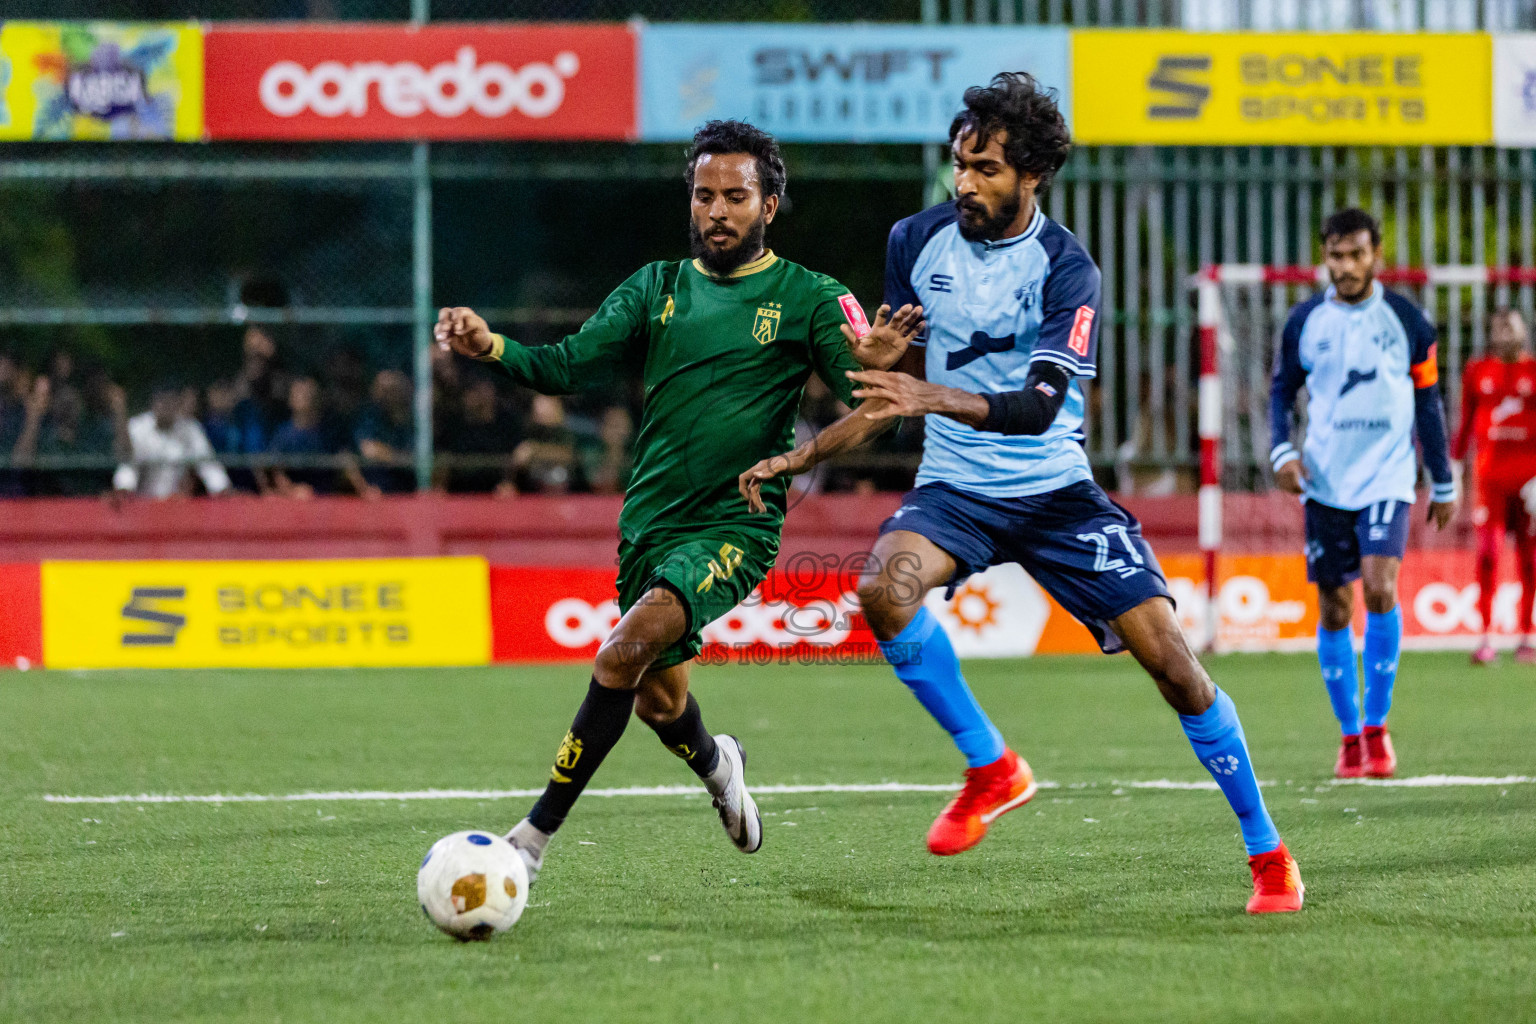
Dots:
pixel 472 885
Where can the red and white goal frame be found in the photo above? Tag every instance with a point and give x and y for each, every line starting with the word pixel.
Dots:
pixel 1217 343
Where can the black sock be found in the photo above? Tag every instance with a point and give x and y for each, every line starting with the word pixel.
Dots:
pixel 689 740
pixel 599 723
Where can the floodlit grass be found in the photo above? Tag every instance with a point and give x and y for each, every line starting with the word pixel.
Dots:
pixel 1096 902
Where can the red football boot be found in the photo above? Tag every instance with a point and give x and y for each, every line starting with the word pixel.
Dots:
pixel 1351 763
pixel 990 792
pixel 1485 654
pixel 1380 758
pixel 1277 884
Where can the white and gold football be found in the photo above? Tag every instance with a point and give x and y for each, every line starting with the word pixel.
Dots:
pixel 472 885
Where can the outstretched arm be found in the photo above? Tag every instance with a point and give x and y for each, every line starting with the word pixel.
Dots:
pixel 861 425
pixel 845 435
pixel 591 355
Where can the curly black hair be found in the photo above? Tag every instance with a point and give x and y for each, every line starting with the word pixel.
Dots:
pixel 1014 102
pixel 1345 222
pixel 740 137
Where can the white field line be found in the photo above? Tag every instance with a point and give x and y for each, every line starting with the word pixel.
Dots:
pixel 1440 781
pixel 1421 781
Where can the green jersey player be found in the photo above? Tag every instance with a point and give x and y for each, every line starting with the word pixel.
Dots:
pixel 724 343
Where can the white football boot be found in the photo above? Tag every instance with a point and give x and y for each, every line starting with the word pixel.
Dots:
pixel 728 785
pixel 529 843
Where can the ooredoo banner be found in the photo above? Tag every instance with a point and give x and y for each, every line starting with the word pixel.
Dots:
pixel 1264 603
pixel 277 614
pixel 434 82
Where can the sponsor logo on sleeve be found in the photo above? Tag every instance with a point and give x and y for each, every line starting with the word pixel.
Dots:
pixel 1082 326
pixel 854 313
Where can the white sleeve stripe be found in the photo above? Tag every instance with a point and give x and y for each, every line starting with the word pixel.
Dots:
pixel 1079 369
pixel 1283 448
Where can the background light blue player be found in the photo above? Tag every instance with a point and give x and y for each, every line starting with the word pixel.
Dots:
pixel 1366 356
pixel 1012 308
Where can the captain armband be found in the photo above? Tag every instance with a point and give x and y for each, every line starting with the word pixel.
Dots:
pixel 498 346
pixel 1032 410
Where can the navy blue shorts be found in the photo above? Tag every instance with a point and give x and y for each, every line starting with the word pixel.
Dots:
pixel 1337 537
pixel 1082 548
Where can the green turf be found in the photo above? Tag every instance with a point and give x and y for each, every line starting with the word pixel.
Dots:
pixel 1094 903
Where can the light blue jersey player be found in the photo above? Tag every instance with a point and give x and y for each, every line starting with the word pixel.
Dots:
pixel 1011 302
pixel 1366 356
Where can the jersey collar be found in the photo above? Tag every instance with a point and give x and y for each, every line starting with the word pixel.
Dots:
pixel 763 262
pixel 1036 223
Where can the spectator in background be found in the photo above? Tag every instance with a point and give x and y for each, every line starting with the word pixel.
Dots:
pixel 386 436
pixel 607 464
pixel 64 425
pixel 262 388
pixel 219 422
pixel 13 413
pixel 545 460
pixel 303 436
pixel 343 394
pixel 164 441
pixel 482 429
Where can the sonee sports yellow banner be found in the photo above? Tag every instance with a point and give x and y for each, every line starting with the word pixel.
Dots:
pixel 1187 88
pixel 383 612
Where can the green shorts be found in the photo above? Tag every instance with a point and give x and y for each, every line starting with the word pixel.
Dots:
pixel 712 571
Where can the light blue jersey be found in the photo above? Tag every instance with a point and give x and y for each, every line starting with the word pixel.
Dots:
pixel 1371 379
pixel 993 308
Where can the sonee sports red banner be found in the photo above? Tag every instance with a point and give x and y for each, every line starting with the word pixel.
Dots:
pixel 434 82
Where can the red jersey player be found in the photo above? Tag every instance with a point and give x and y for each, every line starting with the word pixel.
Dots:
pixel 1498 412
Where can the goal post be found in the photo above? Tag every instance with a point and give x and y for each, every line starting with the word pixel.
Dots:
pixel 1241 310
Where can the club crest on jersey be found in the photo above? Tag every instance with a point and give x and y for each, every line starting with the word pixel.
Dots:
pixel 667 311
pixel 765 328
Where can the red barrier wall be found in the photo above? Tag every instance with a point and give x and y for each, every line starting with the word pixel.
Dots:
pixel 21 616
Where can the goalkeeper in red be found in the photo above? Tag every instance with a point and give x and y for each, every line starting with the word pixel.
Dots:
pixel 725 343
pixel 1498 424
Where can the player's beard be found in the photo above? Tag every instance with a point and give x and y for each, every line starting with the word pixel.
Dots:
pixel 988 228
pixel 721 262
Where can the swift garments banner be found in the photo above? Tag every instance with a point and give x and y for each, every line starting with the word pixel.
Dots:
pixel 302 614
pixel 434 82
pixel 834 83
pixel 1133 88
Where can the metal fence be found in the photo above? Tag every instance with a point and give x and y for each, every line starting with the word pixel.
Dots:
pixel 367 265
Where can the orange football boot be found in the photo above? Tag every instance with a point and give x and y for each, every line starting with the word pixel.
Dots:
pixel 1351 763
pixel 990 792
pixel 1380 758
pixel 1277 886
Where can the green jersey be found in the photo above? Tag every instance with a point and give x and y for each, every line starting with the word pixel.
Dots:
pixel 724 361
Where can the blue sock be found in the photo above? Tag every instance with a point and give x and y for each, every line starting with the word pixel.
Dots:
pixel 1383 638
pixel 923 659
pixel 1336 653
pixel 1217 737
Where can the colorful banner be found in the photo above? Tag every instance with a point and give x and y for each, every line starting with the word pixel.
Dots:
pixel 1514 89
pixel 1264 601
pixel 833 83
pixel 94 81
pixel 1132 87
pixel 310 614
pixel 438 82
